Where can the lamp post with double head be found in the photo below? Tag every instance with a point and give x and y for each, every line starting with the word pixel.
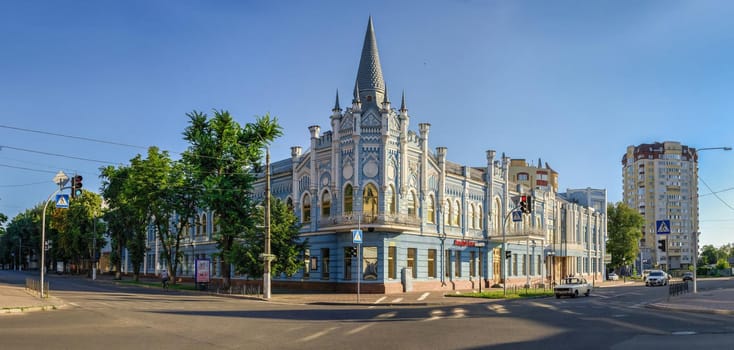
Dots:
pixel 696 233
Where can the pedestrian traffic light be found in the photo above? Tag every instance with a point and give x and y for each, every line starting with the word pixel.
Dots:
pixel 661 244
pixel 508 254
pixel 354 251
pixel 76 186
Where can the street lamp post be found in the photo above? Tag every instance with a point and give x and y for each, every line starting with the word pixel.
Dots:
pixel 696 233
pixel 267 255
pixel 60 179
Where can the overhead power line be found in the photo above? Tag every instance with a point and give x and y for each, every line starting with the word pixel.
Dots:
pixel 73 137
pixel 715 194
pixel 29 169
pixel 57 155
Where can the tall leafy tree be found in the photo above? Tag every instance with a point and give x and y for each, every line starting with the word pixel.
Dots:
pixel 77 230
pixel 624 226
pixel 284 244
pixel 126 216
pixel 223 155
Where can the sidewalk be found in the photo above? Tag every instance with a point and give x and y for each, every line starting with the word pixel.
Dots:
pixel 14 299
pixel 718 301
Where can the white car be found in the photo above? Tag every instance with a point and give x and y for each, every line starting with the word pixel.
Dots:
pixel 573 287
pixel 612 276
pixel 657 278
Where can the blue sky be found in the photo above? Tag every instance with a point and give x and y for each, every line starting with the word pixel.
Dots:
pixel 571 82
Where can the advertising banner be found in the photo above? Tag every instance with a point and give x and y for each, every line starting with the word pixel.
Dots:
pixel 202 270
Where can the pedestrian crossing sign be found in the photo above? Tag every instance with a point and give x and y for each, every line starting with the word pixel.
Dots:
pixel 663 227
pixel 356 236
pixel 516 216
pixel 62 201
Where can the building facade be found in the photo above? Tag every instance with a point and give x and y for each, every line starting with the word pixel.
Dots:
pixel 427 223
pixel 661 183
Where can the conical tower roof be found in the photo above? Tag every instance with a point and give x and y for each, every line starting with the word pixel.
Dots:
pixel 369 74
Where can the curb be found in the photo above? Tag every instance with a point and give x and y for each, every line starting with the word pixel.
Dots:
pixel 21 309
pixel 695 310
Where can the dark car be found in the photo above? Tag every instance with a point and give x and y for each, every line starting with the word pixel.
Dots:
pixel 688 276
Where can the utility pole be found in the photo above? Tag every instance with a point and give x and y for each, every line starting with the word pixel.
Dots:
pixel 267 256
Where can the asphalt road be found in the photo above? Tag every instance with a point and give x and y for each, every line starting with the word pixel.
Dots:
pixel 107 316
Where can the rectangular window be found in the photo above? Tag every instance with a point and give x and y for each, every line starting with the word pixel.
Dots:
pixel 514 264
pixel 369 263
pixel 391 267
pixel 431 263
pixel 472 264
pixel 325 263
pixel 457 264
pixel 525 265
pixel 412 252
pixel 348 263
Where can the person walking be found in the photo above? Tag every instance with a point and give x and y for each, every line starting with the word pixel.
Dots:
pixel 164 279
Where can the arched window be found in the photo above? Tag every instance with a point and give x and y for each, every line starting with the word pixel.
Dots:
pixel 390 198
pixel 447 213
pixel 497 216
pixel 289 203
pixel 412 208
pixel 348 199
pixel 480 218
pixel 457 213
pixel 306 209
pixel 431 210
pixel 472 217
pixel 370 201
pixel 325 204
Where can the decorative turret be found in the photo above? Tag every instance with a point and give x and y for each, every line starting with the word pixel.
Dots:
pixel 370 84
pixel 385 102
pixel 356 102
pixel 403 109
pixel 336 108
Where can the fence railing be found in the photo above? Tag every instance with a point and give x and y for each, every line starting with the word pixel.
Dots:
pixel 245 289
pixel 677 288
pixel 34 285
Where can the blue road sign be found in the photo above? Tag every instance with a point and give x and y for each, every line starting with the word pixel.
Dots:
pixel 357 236
pixel 516 216
pixel 62 201
pixel 663 227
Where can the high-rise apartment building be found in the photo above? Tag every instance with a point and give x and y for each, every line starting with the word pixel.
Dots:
pixel 661 183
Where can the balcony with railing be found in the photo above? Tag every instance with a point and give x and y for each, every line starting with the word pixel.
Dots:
pixel 369 219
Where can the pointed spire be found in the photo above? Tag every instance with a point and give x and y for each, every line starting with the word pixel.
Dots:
pixel 402 102
pixel 355 97
pixel 384 99
pixel 369 74
pixel 336 105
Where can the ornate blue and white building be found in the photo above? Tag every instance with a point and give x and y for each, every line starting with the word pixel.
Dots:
pixel 427 223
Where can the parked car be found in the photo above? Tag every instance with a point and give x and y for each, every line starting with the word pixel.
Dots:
pixel 573 287
pixel 612 276
pixel 657 278
pixel 688 276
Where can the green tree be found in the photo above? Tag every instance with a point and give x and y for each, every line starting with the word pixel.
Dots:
pixel 77 230
pixel 284 243
pixel 168 195
pixel 722 264
pixel 126 217
pixel 624 226
pixel 223 155
pixel 710 255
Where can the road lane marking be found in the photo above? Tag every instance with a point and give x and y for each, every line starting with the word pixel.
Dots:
pixel 318 334
pixel 435 315
pixel 380 300
pixel 459 312
pixel 500 309
pixel 387 315
pixel 360 328
pixel 424 296
pixel 397 300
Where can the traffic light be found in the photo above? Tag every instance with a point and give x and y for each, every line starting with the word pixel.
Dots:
pixel 352 251
pixel 508 254
pixel 76 186
pixel 529 204
pixel 523 204
pixel 661 244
